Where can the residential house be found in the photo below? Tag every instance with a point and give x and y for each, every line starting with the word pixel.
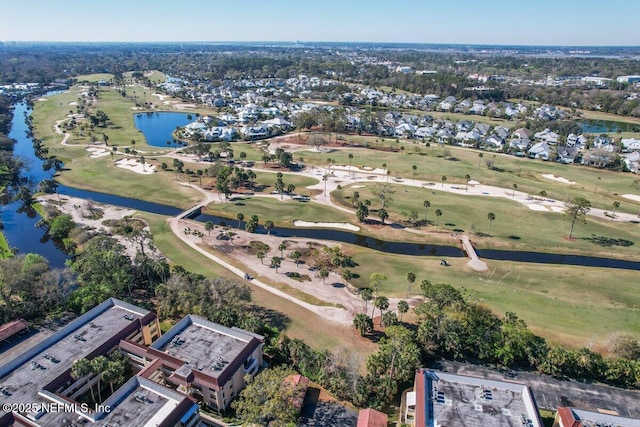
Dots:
pixel 468 138
pixel 444 136
pixel 404 130
pixel 501 131
pixel 598 157
pixel 522 133
pixel 577 141
pixel 604 143
pixel 463 126
pixel 254 132
pixel 566 154
pixel 278 122
pixel 425 132
pixel 195 128
pixel 447 103
pixel 221 133
pixel 632 161
pixel 547 136
pixel 541 150
pixel 630 145
pixel 494 142
pixel 482 128
pixel 519 145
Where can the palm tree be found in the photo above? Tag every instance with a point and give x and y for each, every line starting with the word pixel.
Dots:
pixel 426 205
pixel 363 323
pixel 261 256
pixel 444 179
pixel 403 307
pixel 381 303
pixel 367 295
pixel 616 205
pixel 81 368
pixel 411 278
pixel 290 189
pixel 275 262
pixel 383 214
pixel 515 187
pixel 324 273
pixel 282 246
pixel 480 156
pixel 597 182
pixel 240 218
pixel 113 373
pixel 350 159
pixel 268 225
pixel 438 214
pixel 491 216
pixel 415 168
pixel 295 256
pixel 99 365
pixel 325 178
pixel 208 226
pixel 467 178
pixel 347 276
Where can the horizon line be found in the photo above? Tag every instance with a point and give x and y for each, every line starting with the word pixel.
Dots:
pixel 315 42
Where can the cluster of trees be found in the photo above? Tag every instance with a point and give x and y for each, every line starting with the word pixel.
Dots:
pixel 454 328
pixel 113 370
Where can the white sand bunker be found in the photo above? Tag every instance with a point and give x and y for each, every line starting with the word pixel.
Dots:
pixel 557 178
pixel 473 182
pixel 557 209
pixel 185 106
pixel 135 166
pixel 97 152
pixel 73 103
pixel 539 208
pixel 358 186
pixel 633 197
pixel 340 225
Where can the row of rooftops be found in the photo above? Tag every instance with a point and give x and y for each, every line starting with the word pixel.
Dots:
pixel 42 373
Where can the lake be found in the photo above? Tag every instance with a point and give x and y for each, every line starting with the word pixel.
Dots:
pixel 603 126
pixel 158 127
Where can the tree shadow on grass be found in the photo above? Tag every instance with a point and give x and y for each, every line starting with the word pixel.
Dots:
pixel 271 317
pixel 608 241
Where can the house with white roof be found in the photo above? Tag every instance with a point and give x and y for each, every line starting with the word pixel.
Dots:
pixel 577 141
pixel 547 136
pixel 541 150
pixel 630 144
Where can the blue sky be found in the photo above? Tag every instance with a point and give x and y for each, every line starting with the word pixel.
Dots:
pixel 532 22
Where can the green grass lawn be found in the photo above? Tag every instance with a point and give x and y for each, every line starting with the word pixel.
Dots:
pixel 601 187
pixel 100 174
pixel 93 78
pixel 515 226
pixel 4 247
pixel 281 212
pixel 301 182
pixel 568 305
